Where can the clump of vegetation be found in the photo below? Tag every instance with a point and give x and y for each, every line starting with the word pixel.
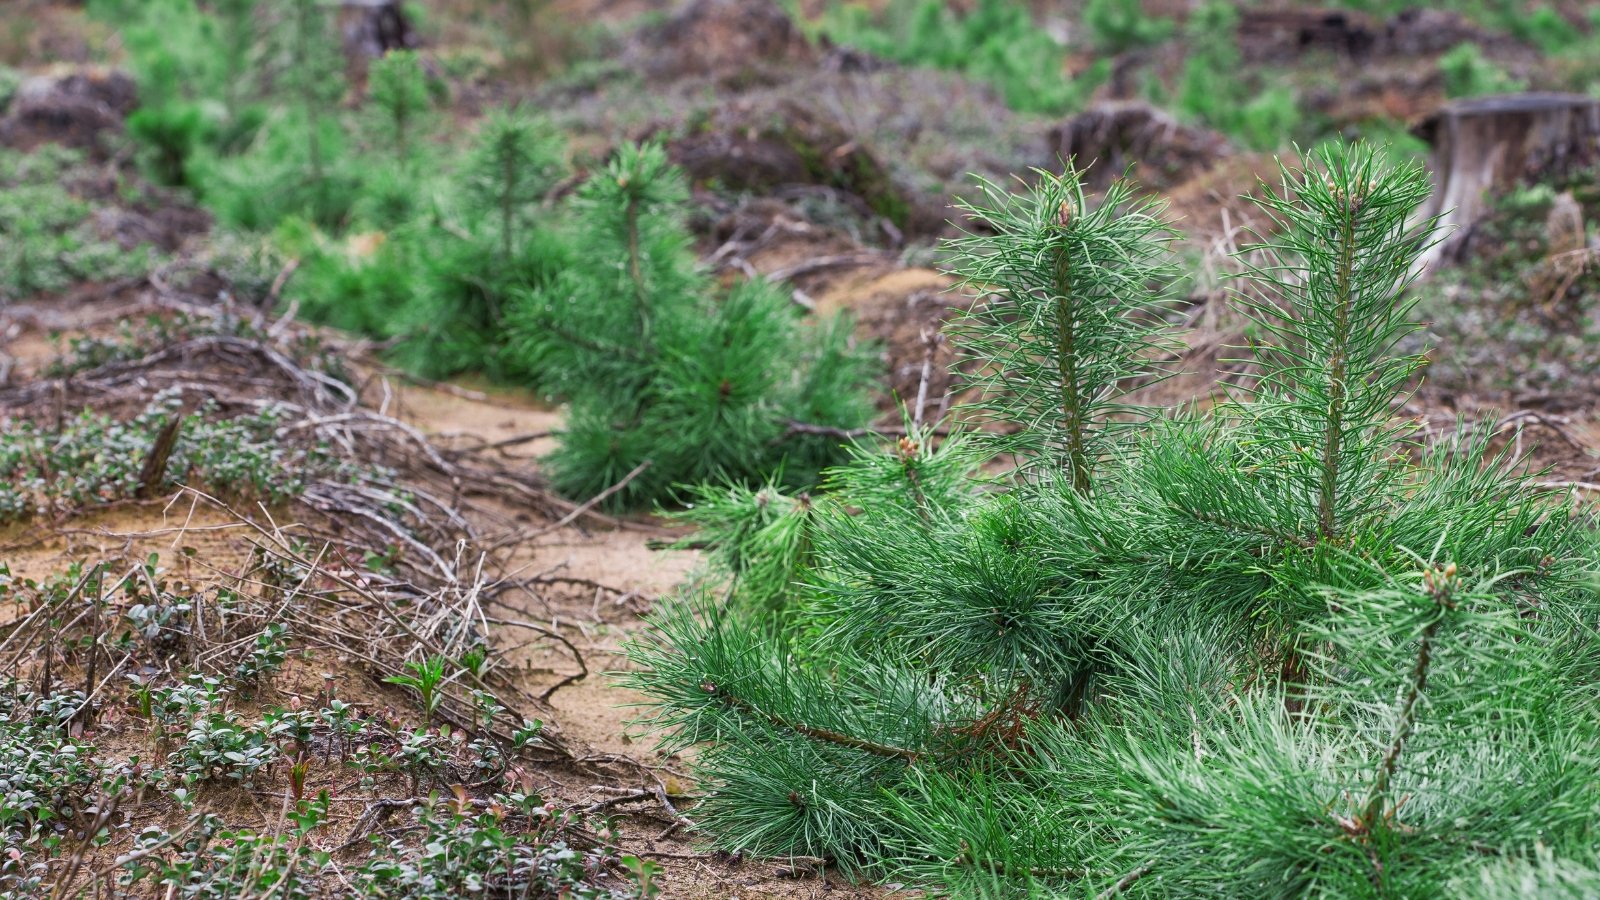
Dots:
pixel 157 332
pixel 49 777
pixel 670 380
pixel 466 262
pixel 437 272
pixel 1121 25
pixel 1278 645
pixel 516 845
pixel 49 239
pixel 997 43
pixel 1213 92
pixel 94 460
pixel 1467 73
pixel 396 234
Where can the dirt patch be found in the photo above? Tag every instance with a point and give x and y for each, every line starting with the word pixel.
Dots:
pixel 725 40
pixel 764 145
pixel 1138 141
pixel 1215 205
pixel 81 108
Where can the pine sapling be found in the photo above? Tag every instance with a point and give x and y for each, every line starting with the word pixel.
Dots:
pixel 314 73
pixel 512 166
pixel 1079 686
pixel 397 89
pixel 674 380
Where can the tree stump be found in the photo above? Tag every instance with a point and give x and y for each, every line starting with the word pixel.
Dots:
pixel 1489 145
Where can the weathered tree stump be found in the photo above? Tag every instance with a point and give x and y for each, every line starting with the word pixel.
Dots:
pixel 1489 145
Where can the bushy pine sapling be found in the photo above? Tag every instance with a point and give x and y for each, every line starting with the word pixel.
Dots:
pixel 671 380
pixel 314 73
pixel 300 166
pixel 439 249
pixel 178 55
pixel 494 238
pixel 512 166
pixel 237 31
pixel 1277 648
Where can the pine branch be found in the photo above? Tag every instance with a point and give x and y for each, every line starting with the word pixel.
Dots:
pixel 1439 584
pixel 818 734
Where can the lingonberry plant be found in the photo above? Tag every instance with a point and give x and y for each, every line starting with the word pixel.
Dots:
pixel 1281 646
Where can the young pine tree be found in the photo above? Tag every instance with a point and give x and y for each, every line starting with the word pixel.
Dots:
pixel 672 381
pixel 499 240
pixel 313 74
pixel 400 103
pixel 1278 648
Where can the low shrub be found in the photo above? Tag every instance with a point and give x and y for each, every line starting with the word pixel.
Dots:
pixel 95 460
pixel 49 237
pixel 1467 73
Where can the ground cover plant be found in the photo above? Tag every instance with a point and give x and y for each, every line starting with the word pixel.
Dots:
pixel 93 459
pixel 49 239
pixel 1281 645
pixel 997 43
pixel 1530 270
pixel 185 666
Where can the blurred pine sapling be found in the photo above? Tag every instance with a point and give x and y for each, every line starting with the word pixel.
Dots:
pixel 1120 25
pixel 437 250
pixel 399 102
pixel 1210 91
pixel 1280 647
